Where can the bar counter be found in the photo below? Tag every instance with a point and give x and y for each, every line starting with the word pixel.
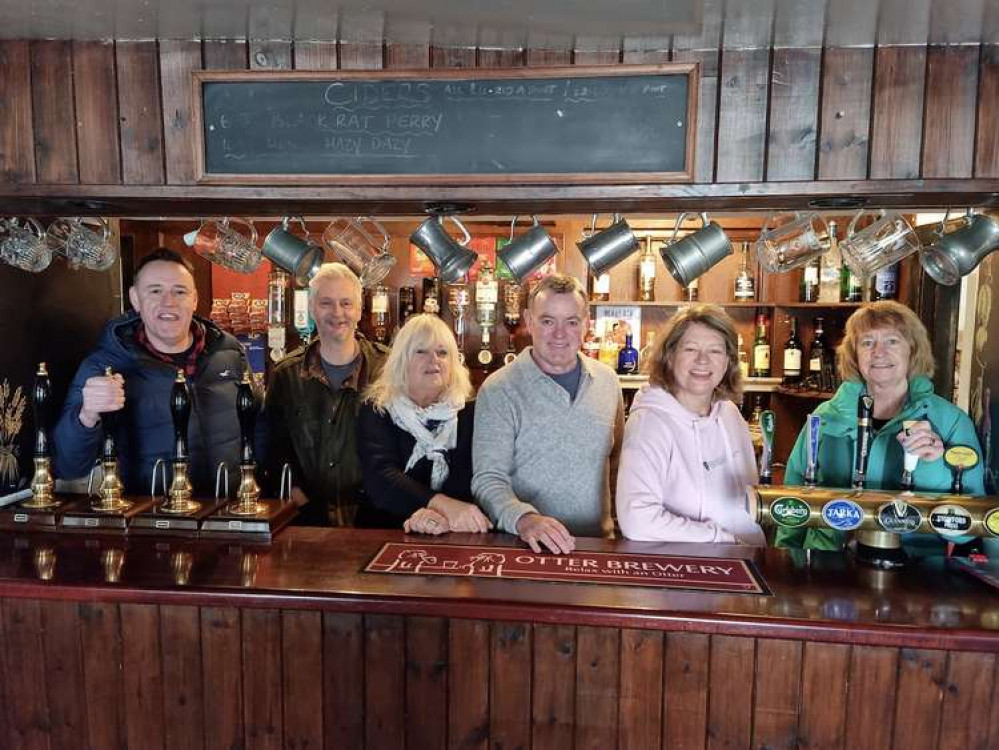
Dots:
pixel 149 643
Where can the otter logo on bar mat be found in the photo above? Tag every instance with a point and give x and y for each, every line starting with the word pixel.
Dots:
pixel 730 575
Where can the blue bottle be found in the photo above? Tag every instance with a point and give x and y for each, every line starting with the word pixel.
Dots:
pixel 627 358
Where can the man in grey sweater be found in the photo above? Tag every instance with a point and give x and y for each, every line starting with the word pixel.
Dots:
pixel 548 429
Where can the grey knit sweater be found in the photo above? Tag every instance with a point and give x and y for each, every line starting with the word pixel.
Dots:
pixel 535 450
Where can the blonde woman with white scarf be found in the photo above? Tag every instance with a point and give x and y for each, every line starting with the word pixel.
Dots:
pixel 414 436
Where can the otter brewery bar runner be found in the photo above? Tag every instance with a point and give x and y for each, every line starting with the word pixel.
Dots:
pixel 663 571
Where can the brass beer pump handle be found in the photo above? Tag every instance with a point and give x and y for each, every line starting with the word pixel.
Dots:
pixel 249 491
pixel 179 499
pixel 42 483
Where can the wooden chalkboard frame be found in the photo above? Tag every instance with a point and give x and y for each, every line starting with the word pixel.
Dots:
pixel 690 70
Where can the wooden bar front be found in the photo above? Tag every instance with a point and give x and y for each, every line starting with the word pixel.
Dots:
pixel 195 645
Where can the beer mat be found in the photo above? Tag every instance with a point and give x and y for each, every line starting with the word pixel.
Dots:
pixel 986 572
pixel 717 574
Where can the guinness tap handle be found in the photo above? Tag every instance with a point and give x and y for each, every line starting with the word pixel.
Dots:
pixel 246 410
pixel 767 424
pixel 41 398
pixel 109 451
pixel 865 433
pixel 180 410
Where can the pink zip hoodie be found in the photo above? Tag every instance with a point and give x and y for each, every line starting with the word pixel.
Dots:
pixel 683 477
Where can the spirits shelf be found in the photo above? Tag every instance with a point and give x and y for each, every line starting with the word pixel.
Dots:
pixel 750 385
pixel 681 303
pixel 816 395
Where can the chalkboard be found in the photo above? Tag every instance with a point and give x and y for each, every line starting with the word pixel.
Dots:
pixel 576 124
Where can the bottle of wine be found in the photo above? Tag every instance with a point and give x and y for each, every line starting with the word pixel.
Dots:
pixel 600 287
pixel 647 273
pixel 793 352
pixel 627 358
pixel 817 356
pixel 761 348
pixel 886 282
pixel 832 269
pixel 745 284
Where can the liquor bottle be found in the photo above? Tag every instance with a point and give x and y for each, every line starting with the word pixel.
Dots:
pixel 761 348
pixel 817 357
pixel 591 342
pixel 832 270
pixel 886 283
pixel 851 286
pixel 743 359
pixel 745 284
pixel 277 313
pixel 755 429
pixel 600 287
pixel 407 303
pixel 486 301
pixel 810 279
pixel 647 273
pixel 432 295
pixel 793 352
pixel 380 313
pixel 304 324
pixel 627 358
pixel 511 316
pixel 647 351
pixel 609 350
pixel 691 291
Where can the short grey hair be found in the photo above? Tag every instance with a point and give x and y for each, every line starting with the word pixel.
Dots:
pixel 335 272
pixel 560 283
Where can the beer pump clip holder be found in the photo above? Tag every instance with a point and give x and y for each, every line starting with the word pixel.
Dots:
pixel 960 458
pixel 767 425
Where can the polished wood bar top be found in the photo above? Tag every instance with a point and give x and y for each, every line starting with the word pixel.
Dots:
pixel 820 596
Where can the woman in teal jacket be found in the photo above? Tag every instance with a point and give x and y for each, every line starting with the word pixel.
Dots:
pixel 886 353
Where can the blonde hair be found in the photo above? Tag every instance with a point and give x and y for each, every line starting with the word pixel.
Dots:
pixel 885 314
pixel 420 332
pixel 660 365
pixel 336 272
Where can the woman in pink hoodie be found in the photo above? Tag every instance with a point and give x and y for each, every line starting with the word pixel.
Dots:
pixel 687 455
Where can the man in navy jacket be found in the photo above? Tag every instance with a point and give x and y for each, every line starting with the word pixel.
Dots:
pixel 144 349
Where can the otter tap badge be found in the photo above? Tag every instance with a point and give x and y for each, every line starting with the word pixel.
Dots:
pixel 790 512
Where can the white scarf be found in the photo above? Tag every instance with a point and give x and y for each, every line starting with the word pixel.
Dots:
pixel 431 445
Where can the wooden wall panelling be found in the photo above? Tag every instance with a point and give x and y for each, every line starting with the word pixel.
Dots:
pixel 873 679
pixel 263 719
pixel 361 40
pixel 229 55
pixel 54 126
pixel 415 51
pixel 897 129
pixel 825 675
pixel 685 695
pixel 6 680
pixel 64 672
pixel 987 139
pixel 315 55
pixel 17 158
pixel 596 51
pixel 707 110
pixel 452 57
pixel 993 717
pixel 222 677
pixel 343 679
pixel 730 704
pixel 95 88
pixel 29 708
pixel 548 49
pixel 139 111
pixel 794 111
pixel 384 682
pixel 969 687
pixel 640 716
pixel 598 681
pixel 177 60
pixel 847 76
pixel 468 684
pixel 645 50
pixel 142 676
pixel 183 688
pixel 778 693
pixel 270 55
pixel 499 58
pixel 100 628
pixel 510 685
pixel 951 96
pixel 742 115
pixel 426 682
pixel 919 698
pixel 302 667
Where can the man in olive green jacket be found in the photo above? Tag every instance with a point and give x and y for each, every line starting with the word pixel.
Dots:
pixel 884 469
pixel 313 399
